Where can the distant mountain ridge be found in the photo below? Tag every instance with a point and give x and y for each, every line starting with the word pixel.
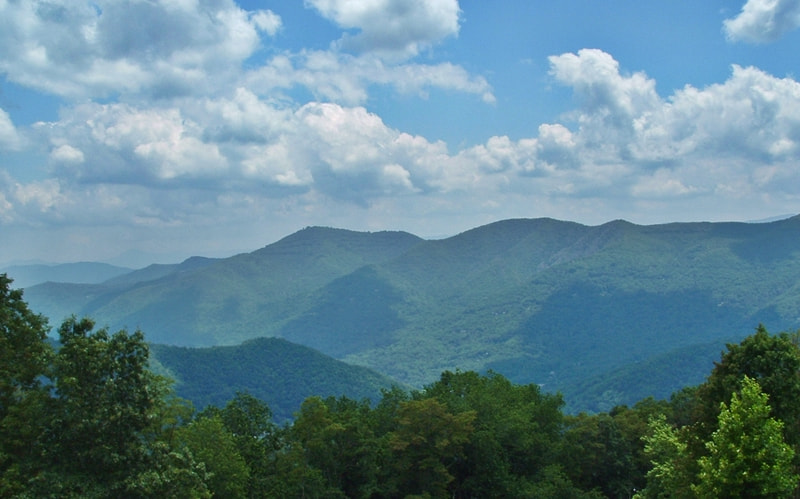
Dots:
pixel 538 300
pixel 77 273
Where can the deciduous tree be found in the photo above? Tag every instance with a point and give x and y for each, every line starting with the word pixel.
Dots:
pixel 24 358
pixel 748 456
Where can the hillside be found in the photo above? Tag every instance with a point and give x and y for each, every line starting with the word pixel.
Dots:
pixel 539 301
pixel 77 273
pixel 280 373
pixel 227 301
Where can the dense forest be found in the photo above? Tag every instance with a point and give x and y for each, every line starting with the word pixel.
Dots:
pixel 88 418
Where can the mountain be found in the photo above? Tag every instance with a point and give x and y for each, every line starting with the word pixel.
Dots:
pixel 538 300
pixel 280 373
pixel 83 272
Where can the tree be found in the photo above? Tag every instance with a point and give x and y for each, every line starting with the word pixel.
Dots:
pixel 210 443
pixel 671 474
pixel 104 421
pixel 24 358
pixel 249 420
pixel 427 444
pixel 88 419
pixel 599 455
pixel 772 360
pixel 24 351
pixel 338 440
pixel 748 456
pixel 517 432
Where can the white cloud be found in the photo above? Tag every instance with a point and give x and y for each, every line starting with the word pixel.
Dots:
pixel 762 21
pixel 44 196
pixel 627 139
pixel 117 143
pixel 662 183
pixel 243 143
pixel 346 79
pixel 395 28
pixel 139 50
pixel 752 114
pixel 80 49
pixel 622 118
pixel 66 154
pixel 609 101
pixel 267 21
pixel 355 156
pixel 10 139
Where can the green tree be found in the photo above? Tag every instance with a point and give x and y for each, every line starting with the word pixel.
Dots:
pixel 773 361
pixel 24 358
pixel 210 443
pixel 517 433
pixel 104 427
pixel 747 453
pixel 104 400
pixel 88 419
pixel 427 445
pixel 258 440
pixel 338 440
pixel 599 456
pixel 671 474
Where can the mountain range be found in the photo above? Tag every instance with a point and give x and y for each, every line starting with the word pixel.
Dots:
pixel 605 314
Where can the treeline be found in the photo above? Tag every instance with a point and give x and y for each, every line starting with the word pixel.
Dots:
pixel 89 419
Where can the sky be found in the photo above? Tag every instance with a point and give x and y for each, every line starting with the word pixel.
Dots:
pixel 136 131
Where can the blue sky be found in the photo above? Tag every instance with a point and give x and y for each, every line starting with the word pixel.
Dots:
pixel 213 126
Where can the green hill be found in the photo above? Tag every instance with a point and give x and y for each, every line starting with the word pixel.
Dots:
pixel 280 373
pixel 540 301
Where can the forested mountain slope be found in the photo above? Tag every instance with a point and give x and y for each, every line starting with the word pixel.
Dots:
pixel 280 373
pixel 227 301
pixel 540 301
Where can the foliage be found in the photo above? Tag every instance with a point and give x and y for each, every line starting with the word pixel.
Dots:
pixel 427 444
pixel 516 432
pixel 24 357
pixel 743 448
pixel 210 442
pixel 671 472
pixel 747 454
pixel 774 362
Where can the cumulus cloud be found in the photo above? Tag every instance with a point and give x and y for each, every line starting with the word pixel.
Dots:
pixel 244 143
pixel 138 49
pixel 118 143
pixel 609 101
pixel 356 157
pixel 267 21
pixel 621 138
pixel 80 49
pixel 621 117
pixel 762 21
pixel 10 139
pixel 395 28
